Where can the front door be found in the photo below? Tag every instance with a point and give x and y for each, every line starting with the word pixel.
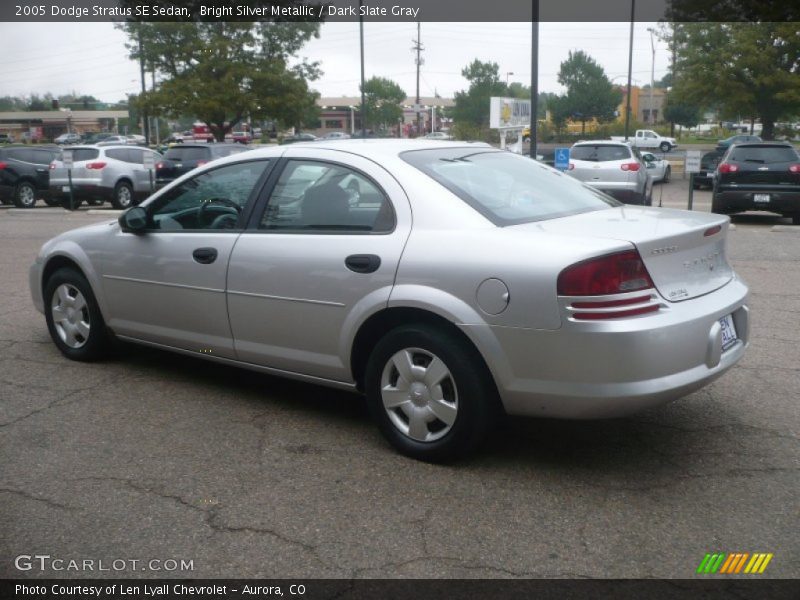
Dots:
pixel 167 285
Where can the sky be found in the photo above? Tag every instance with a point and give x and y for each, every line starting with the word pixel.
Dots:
pixel 90 58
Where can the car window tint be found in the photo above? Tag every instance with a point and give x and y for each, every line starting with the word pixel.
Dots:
pixel 507 188
pixel 213 200
pixel 600 153
pixel 18 154
pixel 315 196
pixel 187 154
pixel 136 156
pixel 764 154
pixel 118 154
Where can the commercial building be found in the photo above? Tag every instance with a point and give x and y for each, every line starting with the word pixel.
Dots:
pixel 46 125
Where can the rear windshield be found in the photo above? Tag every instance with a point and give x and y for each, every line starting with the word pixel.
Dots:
pixel 507 188
pixel 186 154
pixel 763 154
pixel 600 153
pixel 79 154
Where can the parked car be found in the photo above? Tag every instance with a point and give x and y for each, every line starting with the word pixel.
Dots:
pixel 68 138
pixel 115 140
pixel 137 140
pixel 438 135
pixel 723 145
pixel 614 168
pixel 182 158
pixel 658 168
pixel 94 138
pixel 299 137
pixel 514 288
pixel 708 164
pixel 650 140
pixel 336 135
pixel 25 175
pixel 241 137
pixel 6 138
pixel 103 173
pixel 758 176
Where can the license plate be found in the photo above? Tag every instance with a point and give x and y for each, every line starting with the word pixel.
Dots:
pixel 760 197
pixel 728 332
pixel 64 188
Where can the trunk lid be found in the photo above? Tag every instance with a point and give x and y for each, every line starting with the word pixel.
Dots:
pixel 683 252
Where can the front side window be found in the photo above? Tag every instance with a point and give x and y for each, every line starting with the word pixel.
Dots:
pixel 507 188
pixel 213 200
pixel 313 196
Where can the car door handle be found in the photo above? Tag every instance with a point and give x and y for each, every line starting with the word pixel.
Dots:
pixel 205 256
pixel 363 263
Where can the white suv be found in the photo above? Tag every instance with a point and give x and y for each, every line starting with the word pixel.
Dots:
pixel 112 173
pixel 614 168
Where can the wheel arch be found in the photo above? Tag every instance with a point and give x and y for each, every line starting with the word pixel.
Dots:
pixel 62 258
pixel 383 321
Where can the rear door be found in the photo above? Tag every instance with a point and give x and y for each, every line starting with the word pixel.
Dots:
pixel 318 258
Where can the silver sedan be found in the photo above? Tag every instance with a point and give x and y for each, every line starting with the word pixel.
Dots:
pixel 449 282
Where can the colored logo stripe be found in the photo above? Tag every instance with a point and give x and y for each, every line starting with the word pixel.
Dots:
pixel 734 563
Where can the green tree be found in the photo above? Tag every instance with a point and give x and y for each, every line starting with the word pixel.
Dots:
pixel 744 68
pixel 382 101
pixel 590 94
pixel 472 106
pixel 223 72
pixel 682 112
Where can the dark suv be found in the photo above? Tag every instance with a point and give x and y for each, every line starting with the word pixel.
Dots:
pixel 25 175
pixel 758 176
pixel 182 158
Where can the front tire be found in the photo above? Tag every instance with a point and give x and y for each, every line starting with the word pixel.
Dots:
pixel 123 196
pixel 430 393
pixel 25 195
pixel 665 147
pixel 716 205
pixel 73 317
pixel 667 175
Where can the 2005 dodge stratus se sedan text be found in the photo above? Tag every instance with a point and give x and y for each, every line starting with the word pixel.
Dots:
pixel 447 281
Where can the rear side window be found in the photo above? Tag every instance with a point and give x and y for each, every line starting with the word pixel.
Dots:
pixel 507 188
pixel 19 154
pixel 187 154
pixel 600 153
pixel 764 154
pixel 227 150
pixel 118 154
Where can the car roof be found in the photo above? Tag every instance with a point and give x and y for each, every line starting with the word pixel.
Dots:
pixel 765 145
pixel 602 143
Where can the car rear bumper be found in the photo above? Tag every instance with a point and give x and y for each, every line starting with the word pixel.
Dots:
pixel 780 200
pixel 617 367
pixel 82 191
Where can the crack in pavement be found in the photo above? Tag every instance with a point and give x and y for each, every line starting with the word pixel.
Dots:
pixel 29 496
pixel 55 403
pixel 211 516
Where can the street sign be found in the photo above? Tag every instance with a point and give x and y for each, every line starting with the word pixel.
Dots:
pixel 149 161
pixel 561 159
pixel 692 161
pixel 67 159
pixel 509 113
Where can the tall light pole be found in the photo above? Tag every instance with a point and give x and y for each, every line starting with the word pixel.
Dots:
pixel 652 75
pixel 534 76
pixel 363 92
pixel 507 74
pixel 630 65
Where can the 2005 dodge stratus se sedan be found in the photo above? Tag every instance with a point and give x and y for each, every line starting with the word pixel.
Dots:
pixel 447 281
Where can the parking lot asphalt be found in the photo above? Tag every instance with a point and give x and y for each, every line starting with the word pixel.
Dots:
pixel 150 455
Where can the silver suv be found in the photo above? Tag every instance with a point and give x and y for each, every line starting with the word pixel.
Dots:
pixel 615 168
pixel 109 173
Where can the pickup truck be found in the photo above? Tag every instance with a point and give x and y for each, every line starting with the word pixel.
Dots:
pixel 646 138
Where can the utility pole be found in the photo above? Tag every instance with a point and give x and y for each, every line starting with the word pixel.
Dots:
pixel 534 77
pixel 363 92
pixel 630 65
pixel 652 118
pixel 153 87
pixel 145 121
pixel 417 47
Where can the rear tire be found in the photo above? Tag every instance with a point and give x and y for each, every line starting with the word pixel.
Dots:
pixel 52 201
pixel 25 195
pixel 73 316
pixel 667 174
pixel 716 205
pixel 665 147
pixel 430 393
pixel 123 196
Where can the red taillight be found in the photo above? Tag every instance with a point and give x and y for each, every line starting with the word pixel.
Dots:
pixel 3 165
pixel 728 168
pixel 571 166
pixel 159 165
pixel 96 165
pixel 794 168
pixel 617 273
pixel 631 166
pixel 52 165
pixel 712 231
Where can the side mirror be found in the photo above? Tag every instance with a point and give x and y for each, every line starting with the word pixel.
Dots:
pixel 133 220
